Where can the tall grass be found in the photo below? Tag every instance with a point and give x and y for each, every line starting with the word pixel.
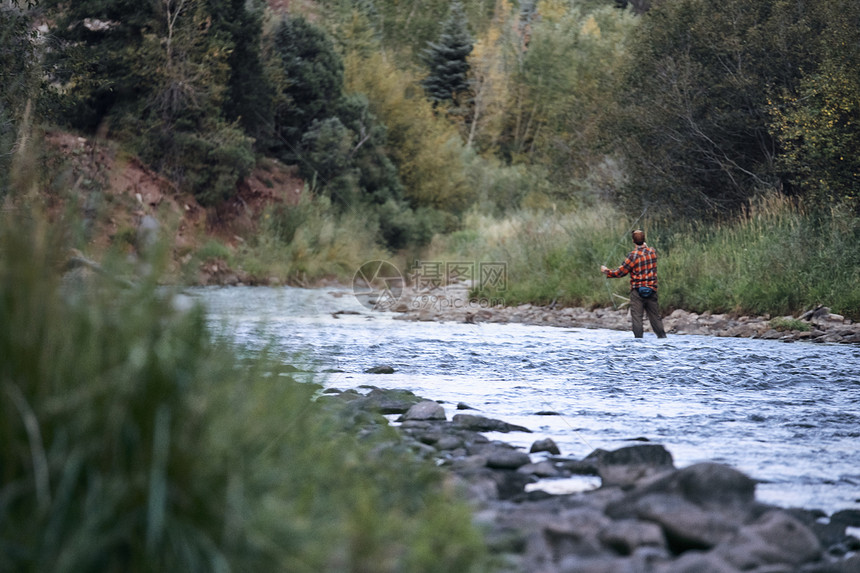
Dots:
pixel 132 440
pixel 311 241
pixel 549 256
pixel 777 259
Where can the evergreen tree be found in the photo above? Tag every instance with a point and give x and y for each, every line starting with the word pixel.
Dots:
pixel 447 60
pixel 157 74
pixel 249 95
pixel 312 83
pixel 101 58
pixel 17 80
pixel 378 178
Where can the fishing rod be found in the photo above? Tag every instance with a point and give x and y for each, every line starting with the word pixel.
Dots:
pixel 612 295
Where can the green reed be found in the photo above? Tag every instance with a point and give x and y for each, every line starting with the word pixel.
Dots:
pixel 776 259
pixel 133 440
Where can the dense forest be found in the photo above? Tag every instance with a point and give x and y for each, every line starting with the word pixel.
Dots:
pixel 409 120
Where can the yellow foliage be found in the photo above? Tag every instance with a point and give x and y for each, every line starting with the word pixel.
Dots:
pixel 591 28
pixel 426 148
pixel 553 10
pixel 492 81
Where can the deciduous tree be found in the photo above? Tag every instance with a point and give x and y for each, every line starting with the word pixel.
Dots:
pixel 695 123
pixel 817 125
pixel 491 63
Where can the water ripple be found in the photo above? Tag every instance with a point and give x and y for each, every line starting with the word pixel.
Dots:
pixel 785 414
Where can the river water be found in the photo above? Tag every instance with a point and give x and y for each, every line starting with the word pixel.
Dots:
pixel 785 414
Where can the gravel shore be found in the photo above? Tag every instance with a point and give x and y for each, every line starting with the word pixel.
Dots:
pixel 638 514
pixel 453 304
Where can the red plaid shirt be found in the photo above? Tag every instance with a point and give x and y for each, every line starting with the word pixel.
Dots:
pixel 642 266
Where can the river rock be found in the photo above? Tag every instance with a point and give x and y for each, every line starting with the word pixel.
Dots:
pixel 576 467
pixel 488 484
pixel 849 565
pixel 426 410
pixel 346 396
pixel 775 538
pixel 381 369
pixel 447 443
pixel 709 485
pixel 819 312
pixel 545 445
pixel 626 466
pixel 542 469
pixel 830 532
pixel 698 507
pixel 627 535
pixel 482 424
pixel 569 534
pixel 506 459
pixel 390 401
pixel 685 525
pixel 696 562
pixel 651 519
pixel 847 517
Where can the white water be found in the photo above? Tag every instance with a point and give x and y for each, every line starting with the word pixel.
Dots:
pixel 785 414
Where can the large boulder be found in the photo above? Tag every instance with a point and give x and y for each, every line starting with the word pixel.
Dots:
pixel 506 459
pixel 775 538
pixel 381 369
pixel 627 535
pixel 426 410
pixel 685 525
pixel 625 466
pixel 698 507
pixel 545 445
pixel 482 424
pixel 696 562
pixel 708 485
pixel 542 469
pixel 390 401
pixel 485 484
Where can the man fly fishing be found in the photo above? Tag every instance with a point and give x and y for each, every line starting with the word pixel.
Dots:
pixel 641 263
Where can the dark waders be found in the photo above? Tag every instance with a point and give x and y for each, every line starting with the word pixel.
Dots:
pixel 650 305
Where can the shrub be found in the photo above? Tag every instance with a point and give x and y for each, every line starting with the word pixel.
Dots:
pixel 208 162
pixel 783 324
pixel 312 240
pixel 133 440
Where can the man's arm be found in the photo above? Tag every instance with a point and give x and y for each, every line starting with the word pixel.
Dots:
pixel 625 268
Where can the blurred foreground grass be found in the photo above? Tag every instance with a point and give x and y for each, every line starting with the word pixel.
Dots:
pixel 131 440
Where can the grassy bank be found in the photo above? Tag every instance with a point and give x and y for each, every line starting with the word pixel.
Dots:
pixel 307 242
pixel 776 260
pixel 130 440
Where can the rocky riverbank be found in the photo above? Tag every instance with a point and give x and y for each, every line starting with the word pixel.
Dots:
pixel 452 304
pixel 641 515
